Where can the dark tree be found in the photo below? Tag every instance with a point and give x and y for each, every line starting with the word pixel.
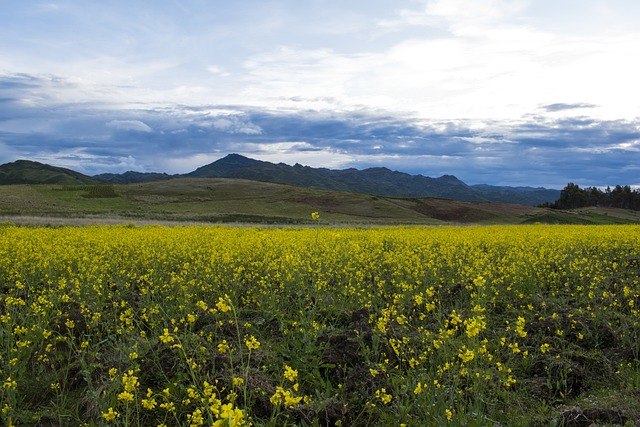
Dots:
pixel 572 196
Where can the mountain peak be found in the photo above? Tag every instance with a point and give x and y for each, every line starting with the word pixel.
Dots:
pixel 223 167
pixel 235 157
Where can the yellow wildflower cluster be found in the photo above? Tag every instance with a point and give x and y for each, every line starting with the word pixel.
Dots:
pixel 286 397
pixel 209 320
pixel 129 384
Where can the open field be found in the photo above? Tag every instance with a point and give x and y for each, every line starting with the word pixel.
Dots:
pixel 200 200
pixel 209 325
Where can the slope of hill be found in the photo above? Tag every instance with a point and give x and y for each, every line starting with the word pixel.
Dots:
pixel 28 172
pixel 532 196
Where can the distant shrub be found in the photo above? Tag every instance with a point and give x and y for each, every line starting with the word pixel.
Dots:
pixel 101 192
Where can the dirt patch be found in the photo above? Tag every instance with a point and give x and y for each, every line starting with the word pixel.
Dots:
pixel 452 211
pixel 342 347
pixel 576 417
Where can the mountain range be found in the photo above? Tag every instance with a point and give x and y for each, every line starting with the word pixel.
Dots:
pixel 378 181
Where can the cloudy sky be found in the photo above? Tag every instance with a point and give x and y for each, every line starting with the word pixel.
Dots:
pixel 503 92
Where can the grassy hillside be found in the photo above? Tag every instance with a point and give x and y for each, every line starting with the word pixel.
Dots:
pixel 28 172
pixel 235 200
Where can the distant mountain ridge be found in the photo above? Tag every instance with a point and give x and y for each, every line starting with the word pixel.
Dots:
pixel 131 177
pixel 378 181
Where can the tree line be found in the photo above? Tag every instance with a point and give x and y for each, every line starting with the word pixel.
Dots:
pixel 572 196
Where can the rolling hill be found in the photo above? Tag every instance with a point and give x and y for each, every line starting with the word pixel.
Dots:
pixel 28 172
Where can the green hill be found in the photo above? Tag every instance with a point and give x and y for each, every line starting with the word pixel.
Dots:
pixel 28 172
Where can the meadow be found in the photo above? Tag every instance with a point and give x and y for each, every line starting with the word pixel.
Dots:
pixel 234 326
pixel 237 201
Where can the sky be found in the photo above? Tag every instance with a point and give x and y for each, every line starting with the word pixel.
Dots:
pixel 503 92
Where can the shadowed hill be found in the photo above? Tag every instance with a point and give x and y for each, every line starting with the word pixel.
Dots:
pixel 28 172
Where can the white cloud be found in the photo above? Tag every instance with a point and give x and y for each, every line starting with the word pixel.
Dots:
pixel 443 59
pixel 130 125
pixel 298 152
pixel 235 124
pixel 185 164
pixel 218 71
pixel 482 67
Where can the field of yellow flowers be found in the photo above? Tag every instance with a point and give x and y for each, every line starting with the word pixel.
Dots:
pixel 224 326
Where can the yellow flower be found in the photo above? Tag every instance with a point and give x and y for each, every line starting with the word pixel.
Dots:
pixel 223 304
pixel 384 397
pixel 449 414
pixel 230 416
pixel 166 336
pixel 195 419
pixel 290 401
pixel 168 406
pixel 520 327
pixel 148 403
pixel 475 325
pixel 282 396
pixel 110 415
pixel 10 384
pixel 290 374
pixel 251 342
pixel 126 396
pixel 467 355
pixel 544 347
pixel 418 389
pixel 129 381
pixel 223 347
pixel 315 216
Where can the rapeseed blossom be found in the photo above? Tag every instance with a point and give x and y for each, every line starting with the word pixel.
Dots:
pixel 290 374
pixel 436 317
pixel 110 415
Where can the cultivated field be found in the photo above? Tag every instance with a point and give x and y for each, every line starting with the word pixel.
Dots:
pixel 189 326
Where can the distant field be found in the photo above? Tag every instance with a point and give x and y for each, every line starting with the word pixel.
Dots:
pixel 202 200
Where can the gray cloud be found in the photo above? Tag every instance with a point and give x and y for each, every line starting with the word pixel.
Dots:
pixel 129 125
pixel 552 108
pixel 536 150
